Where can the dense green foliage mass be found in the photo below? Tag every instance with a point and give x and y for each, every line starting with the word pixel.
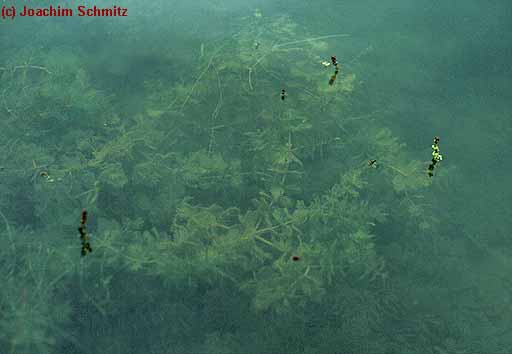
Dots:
pixel 201 186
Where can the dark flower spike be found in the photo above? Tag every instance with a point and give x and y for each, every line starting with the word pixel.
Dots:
pixel 84 236
pixel 436 156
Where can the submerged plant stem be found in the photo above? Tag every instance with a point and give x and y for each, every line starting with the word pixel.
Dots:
pixel 9 232
pixel 310 40
pixel 197 80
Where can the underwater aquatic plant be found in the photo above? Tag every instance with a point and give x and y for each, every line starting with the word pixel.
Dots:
pixel 211 182
pixel 32 319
